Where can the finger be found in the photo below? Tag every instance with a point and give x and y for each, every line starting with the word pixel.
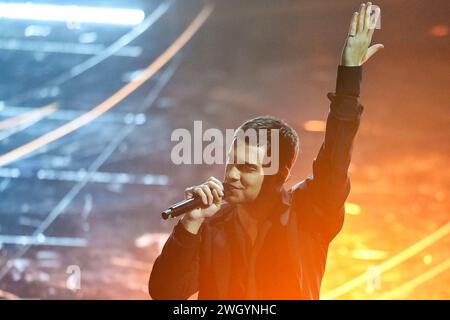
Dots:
pixel 353 24
pixel 214 186
pixel 199 192
pixel 188 193
pixel 367 16
pixel 372 50
pixel 217 197
pixel 373 20
pixel 217 181
pixel 208 193
pixel 361 17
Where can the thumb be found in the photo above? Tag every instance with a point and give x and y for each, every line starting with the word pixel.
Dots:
pixel 372 50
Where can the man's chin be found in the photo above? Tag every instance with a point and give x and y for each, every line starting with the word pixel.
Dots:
pixel 234 199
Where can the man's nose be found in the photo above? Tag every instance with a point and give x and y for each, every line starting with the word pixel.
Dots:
pixel 233 173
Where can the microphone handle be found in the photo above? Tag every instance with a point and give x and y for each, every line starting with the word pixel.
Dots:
pixel 187 205
pixel 182 207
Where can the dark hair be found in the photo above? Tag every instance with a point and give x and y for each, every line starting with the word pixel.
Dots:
pixel 288 139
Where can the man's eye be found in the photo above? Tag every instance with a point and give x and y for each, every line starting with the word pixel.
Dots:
pixel 248 168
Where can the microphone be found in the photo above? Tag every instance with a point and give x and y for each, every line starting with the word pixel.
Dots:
pixel 184 206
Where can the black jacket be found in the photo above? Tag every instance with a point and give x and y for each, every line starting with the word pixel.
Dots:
pixel 288 260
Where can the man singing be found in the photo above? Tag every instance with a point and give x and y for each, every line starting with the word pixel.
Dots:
pixel 266 242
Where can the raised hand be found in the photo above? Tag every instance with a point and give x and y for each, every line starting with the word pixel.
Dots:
pixel 356 49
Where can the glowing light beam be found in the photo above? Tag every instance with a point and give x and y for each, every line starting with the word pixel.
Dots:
pixel 392 262
pixel 114 99
pixel 410 285
pixel 31 116
pixel 47 12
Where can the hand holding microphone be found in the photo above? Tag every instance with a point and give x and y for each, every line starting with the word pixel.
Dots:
pixel 210 193
pixel 201 201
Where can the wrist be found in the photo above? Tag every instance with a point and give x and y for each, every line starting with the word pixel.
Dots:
pixel 350 63
pixel 192 225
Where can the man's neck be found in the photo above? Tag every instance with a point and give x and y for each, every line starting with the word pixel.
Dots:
pixel 253 211
pixel 251 215
pixel 249 220
pixel 248 214
pixel 258 210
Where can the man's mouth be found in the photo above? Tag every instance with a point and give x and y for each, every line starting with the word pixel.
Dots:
pixel 230 187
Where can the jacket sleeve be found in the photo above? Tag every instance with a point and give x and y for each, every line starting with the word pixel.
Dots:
pixel 326 191
pixel 175 273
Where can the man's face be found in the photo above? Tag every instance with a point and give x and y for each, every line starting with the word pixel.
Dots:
pixel 244 172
